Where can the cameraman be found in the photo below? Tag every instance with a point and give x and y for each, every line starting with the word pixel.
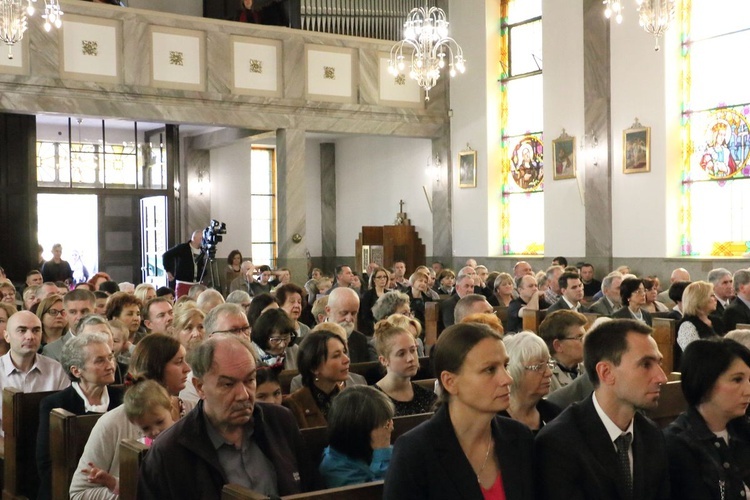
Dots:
pixel 185 261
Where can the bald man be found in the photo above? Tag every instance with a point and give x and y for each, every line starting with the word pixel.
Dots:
pixel 185 261
pixel 22 367
pixel 679 274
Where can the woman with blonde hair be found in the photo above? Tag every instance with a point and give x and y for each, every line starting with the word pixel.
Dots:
pixel 412 326
pixel 145 292
pixel 397 352
pixel 502 291
pixel 187 326
pixel 698 301
pixel 490 320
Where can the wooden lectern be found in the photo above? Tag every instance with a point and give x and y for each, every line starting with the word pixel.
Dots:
pixel 387 244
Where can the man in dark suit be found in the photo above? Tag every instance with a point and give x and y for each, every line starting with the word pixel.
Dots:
pixel 739 310
pixel 464 286
pixel 571 289
pixel 602 447
pixel 610 302
pixel 184 261
pixel 721 279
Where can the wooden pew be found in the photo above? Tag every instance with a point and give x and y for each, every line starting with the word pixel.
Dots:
pixel 590 318
pixel 428 383
pixel 132 453
pixel 742 326
pixel 316 438
pixel 532 319
pixel 20 423
pixel 366 491
pixel 68 435
pixel 431 311
pixel 665 335
pixel 671 404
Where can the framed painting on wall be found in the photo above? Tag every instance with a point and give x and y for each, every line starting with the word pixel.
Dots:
pixel 467 169
pixel 636 149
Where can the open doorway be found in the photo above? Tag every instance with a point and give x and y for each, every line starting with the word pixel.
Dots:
pixel 72 221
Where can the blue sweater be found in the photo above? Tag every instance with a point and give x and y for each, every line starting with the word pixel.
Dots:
pixel 338 469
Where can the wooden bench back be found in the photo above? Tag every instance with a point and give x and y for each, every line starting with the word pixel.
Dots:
pixel 742 326
pixel 665 335
pixel 132 453
pixel 316 438
pixel 671 404
pixel 532 319
pixel 590 318
pixel 20 423
pixel 366 491
pixel 431 312
pixel 68 436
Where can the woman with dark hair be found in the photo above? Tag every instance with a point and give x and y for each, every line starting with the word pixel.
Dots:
pixel 274 339
pixel 378 287
pixel 289 297
pixel 157 357
pixel 652 290
pixel 260 304
pixel 359 435
pixel 698 301
pixel 233 270
pixel 479 454
pixel 324 367
pixel 52 315
pixel 633 296
pixel 445 282
pixel 709 444
pixel 267 386
pixel 126 308
pixel 398 353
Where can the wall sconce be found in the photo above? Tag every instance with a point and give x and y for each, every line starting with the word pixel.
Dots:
pixel 433 169
pixel 204 184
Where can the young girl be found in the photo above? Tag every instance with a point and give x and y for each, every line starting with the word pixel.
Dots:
pixel 267 388
pixel 149 407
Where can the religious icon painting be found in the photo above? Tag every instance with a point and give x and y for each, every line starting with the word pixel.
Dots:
pixel 564 153
pixel 720 143
pixel 467 174
pixel 527 163
pixel 636 149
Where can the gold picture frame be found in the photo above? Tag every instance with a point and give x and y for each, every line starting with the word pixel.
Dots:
pixel 467 169
pixel 636 149
pixel 564 156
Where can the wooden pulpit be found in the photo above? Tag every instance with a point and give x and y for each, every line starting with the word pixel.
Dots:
pixel 388 244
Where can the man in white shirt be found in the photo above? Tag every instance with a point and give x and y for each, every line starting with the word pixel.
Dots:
pixel 571 291
pixel 22 367
pixel 602 447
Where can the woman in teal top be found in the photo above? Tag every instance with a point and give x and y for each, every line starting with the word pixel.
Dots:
pixel 360 423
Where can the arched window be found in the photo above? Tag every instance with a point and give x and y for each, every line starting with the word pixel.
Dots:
pixel 715 212
pixel 522 190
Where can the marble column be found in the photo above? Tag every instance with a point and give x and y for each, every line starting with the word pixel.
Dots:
pixel 597 116
pixel 442 223
pixel 328 203
pixel 291 202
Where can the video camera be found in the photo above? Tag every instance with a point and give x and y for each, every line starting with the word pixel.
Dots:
pixel 212 237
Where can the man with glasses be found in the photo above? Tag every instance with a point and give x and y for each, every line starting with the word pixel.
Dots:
pixel 563 332
pixel 77 304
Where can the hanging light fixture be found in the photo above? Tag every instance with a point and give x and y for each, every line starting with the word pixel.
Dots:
pixel 654 16
pixel 426 33
pixel 13 14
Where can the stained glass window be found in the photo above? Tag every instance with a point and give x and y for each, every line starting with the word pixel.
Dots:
pixel 522 151
pixel 716 139
pixel 263 205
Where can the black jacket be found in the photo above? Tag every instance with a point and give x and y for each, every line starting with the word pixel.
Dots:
pixel 183 463
pixel 178 260
pixel 428 462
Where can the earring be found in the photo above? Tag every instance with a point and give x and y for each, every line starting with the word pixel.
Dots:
pixel 317 379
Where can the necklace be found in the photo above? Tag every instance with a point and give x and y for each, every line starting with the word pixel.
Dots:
pixel 486 456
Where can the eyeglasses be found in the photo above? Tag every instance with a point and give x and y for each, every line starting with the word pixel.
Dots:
pixel 282 339
pixel 577 339
pixel 242 330
pixel 541 366
pixel 56 312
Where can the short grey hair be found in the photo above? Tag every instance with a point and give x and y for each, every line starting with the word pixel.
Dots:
pixel 740 336
pixel 237 297
pixel 464 305
pixel 714 275
pixel 462 273
pixel 388 303
pixel 741 277
pixel 522 348
pixel 201 359
pixel 74 354
pixel 218 312
pixel 551 271
pixel 92 319
pixel 608 279
pixel 209 296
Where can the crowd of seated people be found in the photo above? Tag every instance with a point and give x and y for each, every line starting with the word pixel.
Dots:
pixel 201 376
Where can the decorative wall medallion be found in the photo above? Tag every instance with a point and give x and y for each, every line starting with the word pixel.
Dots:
pixel 400 79
pixel 89 48
pixel 329 72
pixel 256 66
pixel 176 58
